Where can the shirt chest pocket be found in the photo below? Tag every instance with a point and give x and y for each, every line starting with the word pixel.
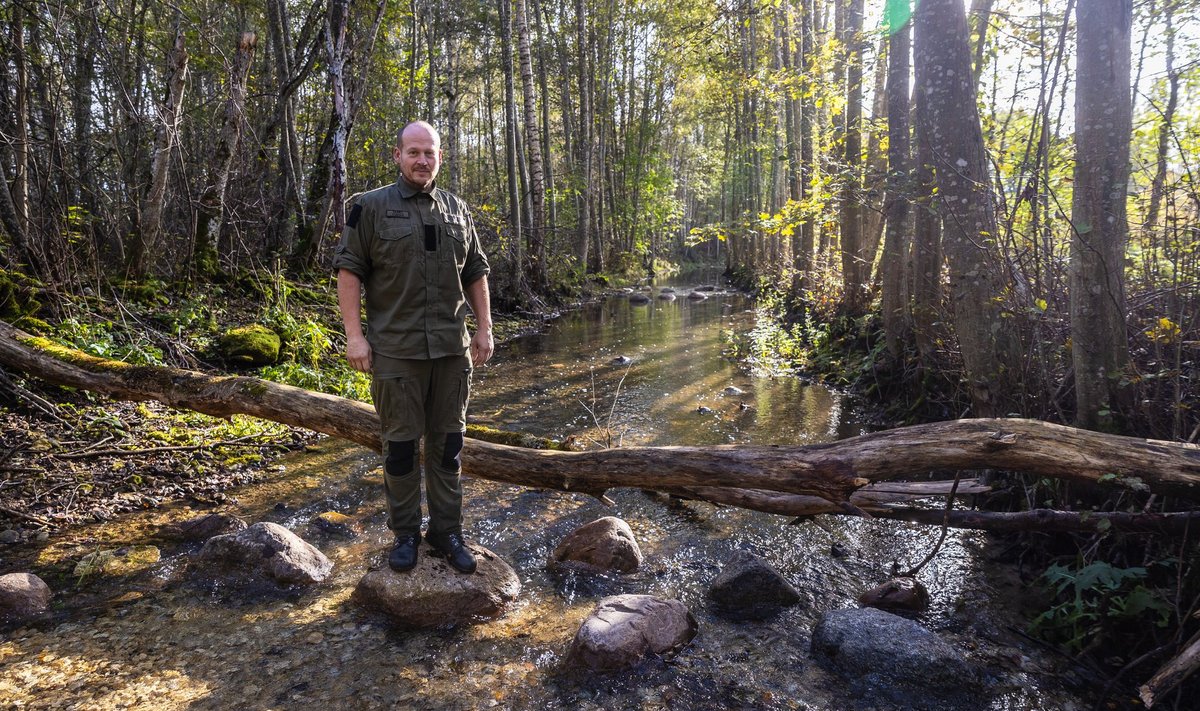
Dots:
pixel 395 245
pixel 456 241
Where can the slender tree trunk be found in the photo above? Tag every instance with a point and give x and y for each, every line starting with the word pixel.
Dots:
pixel 899 188
pixel 151 228
pixel 1165 127
pixel 986 333
pixel 451 138
pixel 854 266
pixel 584 139
pixel 551 223
pixel 20 142
pixel 980 17
pixel 533 145
pixel 212 200
pixel 510 150
pixel 336 53
pixel 1100 350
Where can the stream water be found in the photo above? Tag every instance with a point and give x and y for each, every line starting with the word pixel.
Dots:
pixel 155 642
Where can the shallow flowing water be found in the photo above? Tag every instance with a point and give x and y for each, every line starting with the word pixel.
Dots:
pixel 156 642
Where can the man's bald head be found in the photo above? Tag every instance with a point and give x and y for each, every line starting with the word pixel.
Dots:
pixel 418 129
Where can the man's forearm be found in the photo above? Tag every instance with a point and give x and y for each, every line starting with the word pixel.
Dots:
pixel 480 301
pixel 349 292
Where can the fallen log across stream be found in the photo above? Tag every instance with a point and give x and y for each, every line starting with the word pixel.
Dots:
pixel 848 476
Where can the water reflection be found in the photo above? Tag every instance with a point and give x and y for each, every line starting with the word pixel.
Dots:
pixel 673 389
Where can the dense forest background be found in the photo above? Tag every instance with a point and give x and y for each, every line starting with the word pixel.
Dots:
pixel 997 204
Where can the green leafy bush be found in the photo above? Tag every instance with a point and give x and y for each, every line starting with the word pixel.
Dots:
pixel 1092 601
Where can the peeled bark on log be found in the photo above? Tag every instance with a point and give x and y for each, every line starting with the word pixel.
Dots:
pixel 832 472
pixel 1172 673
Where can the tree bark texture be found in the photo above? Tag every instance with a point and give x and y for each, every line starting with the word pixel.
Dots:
pixel 855 269
pixel 164 143
pixel 831 472
pixel 533 144
pixel 1172 673
pixel 986 334
pixel 893 295
pixel 212 201
pixel 1103 122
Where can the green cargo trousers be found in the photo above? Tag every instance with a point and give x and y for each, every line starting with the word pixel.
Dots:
pixel 429 398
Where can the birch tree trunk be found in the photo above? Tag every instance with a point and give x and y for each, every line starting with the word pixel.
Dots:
pixel 1102 129
pixel 151 228
pixel 533 144
pixel 212 200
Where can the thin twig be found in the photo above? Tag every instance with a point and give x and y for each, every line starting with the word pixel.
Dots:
pixel 945 527
pixel 26 516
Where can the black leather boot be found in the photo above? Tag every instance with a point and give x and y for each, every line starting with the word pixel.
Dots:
pixel 404 554
pixel 452 547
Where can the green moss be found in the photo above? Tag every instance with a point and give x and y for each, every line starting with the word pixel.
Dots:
pixel 34 325
pixel 18 295
pixel 74 357
pixel 514 439
pixel 252 345
pixel 150 292
pixel 254 388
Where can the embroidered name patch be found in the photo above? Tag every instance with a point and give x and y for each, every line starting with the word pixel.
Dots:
pixel 397 213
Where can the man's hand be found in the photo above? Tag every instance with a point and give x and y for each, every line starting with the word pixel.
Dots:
pixel 358 352
pixel 482 347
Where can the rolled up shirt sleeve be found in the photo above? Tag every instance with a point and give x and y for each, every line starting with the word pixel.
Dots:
pixel 476 265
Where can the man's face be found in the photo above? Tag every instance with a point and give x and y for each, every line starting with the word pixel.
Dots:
pixel 418 157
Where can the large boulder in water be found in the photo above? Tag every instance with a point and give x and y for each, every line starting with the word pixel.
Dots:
pixel 23 597
pixel 434 595
pixel 604 545
pixel 624 629
pixel 271 550
pixel 749 587
pixel 893 658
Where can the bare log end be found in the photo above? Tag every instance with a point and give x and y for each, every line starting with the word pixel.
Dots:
pixel 1147 695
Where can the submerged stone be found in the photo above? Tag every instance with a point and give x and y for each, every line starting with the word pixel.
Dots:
pixel 897 594
pixel 336 523
pixel 604 545
pixel 119 561
pixel 892 658
pixel 749 587
pixel 434 595
pixel 202 528
pixel 624 629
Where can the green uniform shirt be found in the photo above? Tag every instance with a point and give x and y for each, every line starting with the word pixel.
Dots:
pixel 415 252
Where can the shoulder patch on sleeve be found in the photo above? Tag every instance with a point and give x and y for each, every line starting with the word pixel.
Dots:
pixel 355 213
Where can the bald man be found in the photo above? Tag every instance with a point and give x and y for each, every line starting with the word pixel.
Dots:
pixel 411 250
